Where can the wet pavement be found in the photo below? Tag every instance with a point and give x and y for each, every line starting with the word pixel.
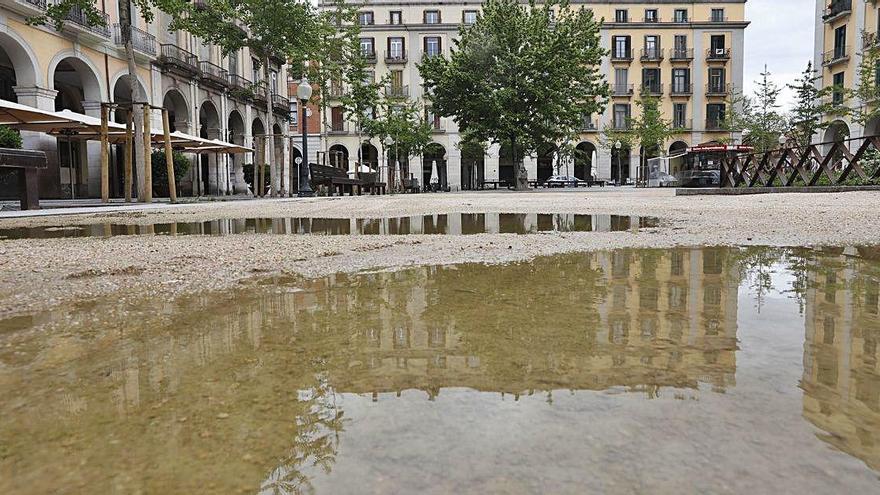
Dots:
pixel 439 224
pixel 713 370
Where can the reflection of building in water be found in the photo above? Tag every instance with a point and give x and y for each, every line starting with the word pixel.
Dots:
pixel 840 382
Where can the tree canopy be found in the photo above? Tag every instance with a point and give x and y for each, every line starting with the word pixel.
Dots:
pixel 521 74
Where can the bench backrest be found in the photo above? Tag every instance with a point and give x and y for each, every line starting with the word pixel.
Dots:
pixel 322 173
pixel 15 158
pixel 369 177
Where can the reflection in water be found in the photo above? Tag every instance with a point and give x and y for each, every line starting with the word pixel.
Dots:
pixel 841 381
pixel 446 224
pixel 247 391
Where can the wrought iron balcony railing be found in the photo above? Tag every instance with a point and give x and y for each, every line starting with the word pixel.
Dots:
pixel 679 54
pixel 622 89
pixel 718 54
pixel 394 91
pixel 280 104
pixel 213 74
pixel 718 90
pixel 653 89
pixel 141 40
pixel 652 54
pixel 837 55
pixel 682 124
pixel 837 8
pixel 176 56
pixel 680 89
pixel 77 16
pixel 621 55
pixel 589 125
pixel 714 124
pixel 395 57
pixel 239 82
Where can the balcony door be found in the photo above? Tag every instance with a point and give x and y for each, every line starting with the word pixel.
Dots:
pixel 395 48
pixel 652 46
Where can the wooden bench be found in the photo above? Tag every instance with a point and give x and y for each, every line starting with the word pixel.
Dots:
pixel 28 164
pixel 371 183
pixel 411 185
pixel 496 183
pixel 334 178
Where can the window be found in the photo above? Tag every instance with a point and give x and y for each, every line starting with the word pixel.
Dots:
pixel 232 63
pixel 621 46
pixel 714 115
pixel 397 79
pixel 337 121
pixel 837 94
pixel 652 47
pixel 717 15
pixel 840 42
pixel 395 17
pixel 621 81
pixel 716 80
pixel 432 46
pixel 680 49
pixel 716 46
pixel 621 15
pixel 273 81
pixel 651 81
pixel 432 17
pixel 681 15
pixel 432 119
pixel 469 16
pixel 255 71
pixel 368 47
pixel 294 113
pixel 396 49
pixel 365 18
pixel 681 81
pixel 651 15
pixel 621 115
pixel 679 115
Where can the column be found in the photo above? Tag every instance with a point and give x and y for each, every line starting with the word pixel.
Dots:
pixel 89 180
pixel 491 161
pixel 531 164
pixel 44 99
pixel 603 164
pixel 453 164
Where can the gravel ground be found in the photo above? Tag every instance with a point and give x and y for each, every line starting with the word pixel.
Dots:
pixel 36 274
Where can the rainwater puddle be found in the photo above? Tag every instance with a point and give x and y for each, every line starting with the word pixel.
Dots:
pixel 632 371
pixel 443 224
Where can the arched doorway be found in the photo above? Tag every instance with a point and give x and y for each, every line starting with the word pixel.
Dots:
pixel 546 161
pixel 18 69
pixel 122 96
pixel 506 163
pixel 584 154
pixel 235 132
pixel 338 156
pixel 178 111
pixel 837 132
pixel 278 157
pixel 258 133
pixel 620 163
pixel 473 165
pixel 369 158
pixel 208 179
pixel 675 149
pixel 78 88
pixel 434 156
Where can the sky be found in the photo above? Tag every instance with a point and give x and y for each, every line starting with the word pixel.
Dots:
pixel 781 36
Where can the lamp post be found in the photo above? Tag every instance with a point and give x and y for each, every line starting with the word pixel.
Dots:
pixel 617 147
pixel 386 144
pixel 304 93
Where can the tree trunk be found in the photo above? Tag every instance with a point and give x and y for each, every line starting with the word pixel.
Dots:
pixel 520 174
pixel 274 178
pixel 125 22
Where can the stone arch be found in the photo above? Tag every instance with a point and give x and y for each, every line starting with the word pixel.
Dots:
pixel 434 152
pixel 178 110
pixel 235 133
pixel 209 120
pixel 547 155
pixel 74 67
pixel 18 64
pixel 122 77
pixel 369 156
pixel 836 132
pixel 584 154
pixel 677 147
pixel 338 156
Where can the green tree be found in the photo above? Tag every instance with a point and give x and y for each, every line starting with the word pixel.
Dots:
pixel 521 74
pixel 271 29
pixel 409 133
pixel 648 130
pixel 757 117
pixel 361 97
pixel 806 118
pixel 864 95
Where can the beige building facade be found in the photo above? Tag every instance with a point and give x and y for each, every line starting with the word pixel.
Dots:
pixel 79 67
pixel 845 30
pixel 690 54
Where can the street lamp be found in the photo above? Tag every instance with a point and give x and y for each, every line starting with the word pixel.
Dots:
pixel 304 93
pixel 386 143
pixel 617 147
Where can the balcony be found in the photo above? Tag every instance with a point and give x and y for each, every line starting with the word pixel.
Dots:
pixel 179 60
pixel 239 82
pixel 652 89
pixel 714 124
pixel 718 90
pixel 141 41
pixel 437 127
pixel 718 18
pixel 78 23
pixel 682 89
pixel 718 54
pixel 26 7
pixel 240 88
pixel 395 57
pixel 259 89
pixel 431 53
pixel 681 54
pixel 682 124
pixel 396 91
pixel 621 56
pixel 833 57
pixel 338 128
pixel 589 125
pixel 870 40
pixel 651 19
pixel 336 91
pixel 213 75
pixel 280 104
pixel 836 10
pixel 652 54
pixel 625 90
pixel 369 56
pixel 622 126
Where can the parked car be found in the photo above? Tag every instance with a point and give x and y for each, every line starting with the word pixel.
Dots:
pixel 562 181
pixel 665 180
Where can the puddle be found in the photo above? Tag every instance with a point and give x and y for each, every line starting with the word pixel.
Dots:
pixel 675 371
pixel 443 224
